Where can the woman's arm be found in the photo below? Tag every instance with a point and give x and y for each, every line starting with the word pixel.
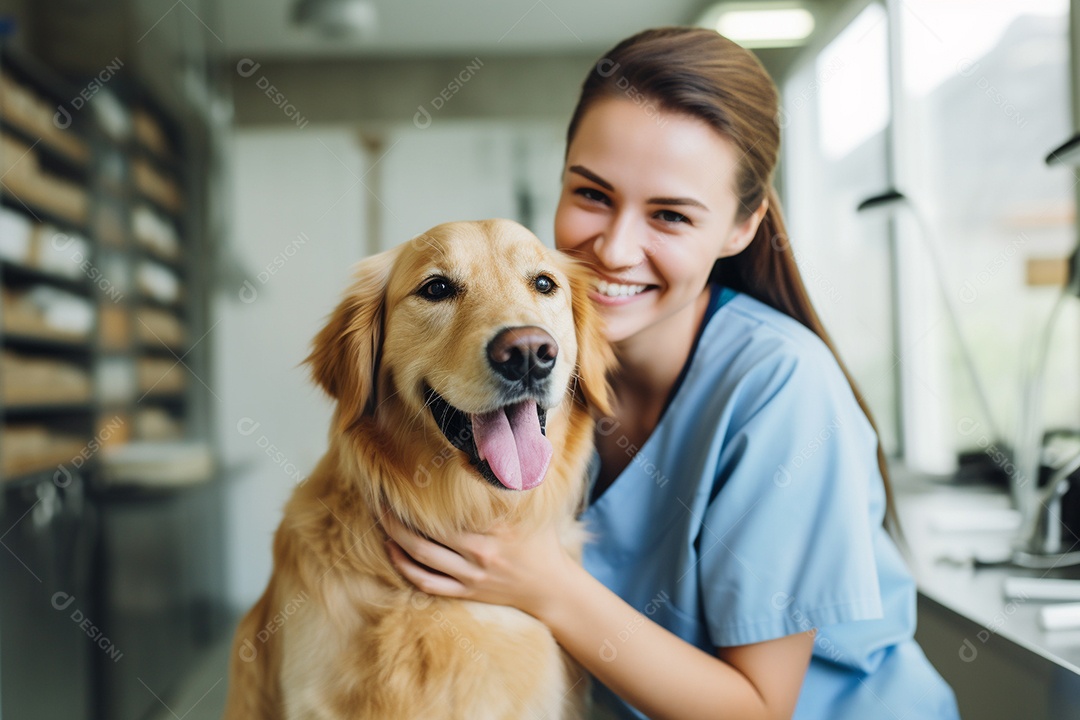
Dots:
pixel 651 668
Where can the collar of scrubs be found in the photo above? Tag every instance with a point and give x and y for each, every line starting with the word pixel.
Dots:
pixel 718 297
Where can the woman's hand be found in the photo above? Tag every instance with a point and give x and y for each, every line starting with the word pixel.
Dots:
pixel 654 670
pixel 505 566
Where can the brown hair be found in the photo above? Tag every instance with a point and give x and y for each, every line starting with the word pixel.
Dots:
pixel 700 73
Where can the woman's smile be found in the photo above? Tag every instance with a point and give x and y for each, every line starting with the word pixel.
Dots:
pixel 611 291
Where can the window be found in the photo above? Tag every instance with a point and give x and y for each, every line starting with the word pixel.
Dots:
pixel 985 96
pixel 979 93
pixel 836 115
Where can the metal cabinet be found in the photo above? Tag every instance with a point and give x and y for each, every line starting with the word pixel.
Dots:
pixel 49 627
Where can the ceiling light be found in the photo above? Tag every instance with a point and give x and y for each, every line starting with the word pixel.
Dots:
pixel 761 24
pixel 337 18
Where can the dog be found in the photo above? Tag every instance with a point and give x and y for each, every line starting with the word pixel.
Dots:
pixel 468 365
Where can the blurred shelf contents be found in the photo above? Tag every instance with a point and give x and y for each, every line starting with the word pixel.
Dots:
pixel 158 464
pixel 114 328
pixel 150 133
pixel 155 233
pixel 42 246
pixel 93 299
pixel 27 448
pixel 157 186
pixel 161 376
pixel 46 313
pixel 115 376
pixel 160 329
pixel 158 282
pixel 155 423
pixel 29 380
pixel 26 110
pixel 28 183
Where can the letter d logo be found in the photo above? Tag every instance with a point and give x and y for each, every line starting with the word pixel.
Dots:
pixel 62 118
pixel 247 67
pixel 247 652
pixel 246 426
pixel 422 118
pixel 248 293
pixel 62 601
pixel 61 478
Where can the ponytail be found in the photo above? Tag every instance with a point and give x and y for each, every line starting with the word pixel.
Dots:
pixel 766 271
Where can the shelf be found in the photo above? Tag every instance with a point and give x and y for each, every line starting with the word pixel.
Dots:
pixel 28 469
pixel 177 216
pixel 167 165
pixel 25 275
pixel 175 308
pixel 108 175
pixel 82 394
pixel 39 214
pixel 165 396
pixel 174 264
pixel 24 410
pixel 29 69
pixel 51 156
pixel 160 349
pixel 46 343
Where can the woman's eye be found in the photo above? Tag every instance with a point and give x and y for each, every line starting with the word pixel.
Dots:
pixel 592 194
pixel 670 216
pixel 437 289
pixel 544 284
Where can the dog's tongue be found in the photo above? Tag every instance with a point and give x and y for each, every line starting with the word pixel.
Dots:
pixel 511 442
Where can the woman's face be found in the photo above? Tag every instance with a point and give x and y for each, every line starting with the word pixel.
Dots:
pixel 648 201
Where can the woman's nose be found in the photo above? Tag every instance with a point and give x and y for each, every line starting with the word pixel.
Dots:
pixel 621 245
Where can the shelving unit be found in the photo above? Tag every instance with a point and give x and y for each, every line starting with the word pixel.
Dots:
pixel 47 400
pixel 143 337
pixel 108 200
pixel 96 319
pixel 47 324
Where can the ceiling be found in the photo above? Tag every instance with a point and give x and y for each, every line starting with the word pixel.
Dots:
pixel 263 28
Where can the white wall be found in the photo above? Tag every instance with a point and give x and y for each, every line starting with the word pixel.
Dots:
pixel 298 209
pixel 460 170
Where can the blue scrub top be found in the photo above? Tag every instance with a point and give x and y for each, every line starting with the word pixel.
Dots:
pixel 754 511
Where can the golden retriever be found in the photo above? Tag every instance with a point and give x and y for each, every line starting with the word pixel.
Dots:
pixel 466 365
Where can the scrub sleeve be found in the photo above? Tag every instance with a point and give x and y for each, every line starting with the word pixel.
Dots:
pixel 754 512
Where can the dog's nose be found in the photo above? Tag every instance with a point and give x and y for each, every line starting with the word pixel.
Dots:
pixel 523 351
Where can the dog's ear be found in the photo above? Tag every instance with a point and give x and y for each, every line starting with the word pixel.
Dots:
pixel 595 355
pixel 344 358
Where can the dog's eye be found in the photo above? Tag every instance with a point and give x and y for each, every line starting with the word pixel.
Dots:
pixel 544 284
pixel 438 288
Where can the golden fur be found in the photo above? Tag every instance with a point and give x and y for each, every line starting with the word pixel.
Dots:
pixel 338 633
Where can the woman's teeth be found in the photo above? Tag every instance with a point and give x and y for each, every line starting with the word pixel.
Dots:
pixel 616 290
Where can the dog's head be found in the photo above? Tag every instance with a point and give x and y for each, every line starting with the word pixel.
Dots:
pixel 472 338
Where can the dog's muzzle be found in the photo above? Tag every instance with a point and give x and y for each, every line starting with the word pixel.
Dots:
pixel 507 446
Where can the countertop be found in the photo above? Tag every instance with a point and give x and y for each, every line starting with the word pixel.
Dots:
pixel 941 525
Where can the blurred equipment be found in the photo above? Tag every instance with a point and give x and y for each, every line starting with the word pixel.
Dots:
pixel 1050 508
pixel 891 201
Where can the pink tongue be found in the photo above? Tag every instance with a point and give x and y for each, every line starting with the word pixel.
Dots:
pixel 511 442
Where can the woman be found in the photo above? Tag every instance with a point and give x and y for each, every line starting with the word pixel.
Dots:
pixel 740 567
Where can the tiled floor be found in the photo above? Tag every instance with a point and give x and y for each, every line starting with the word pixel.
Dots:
pixel 202 693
